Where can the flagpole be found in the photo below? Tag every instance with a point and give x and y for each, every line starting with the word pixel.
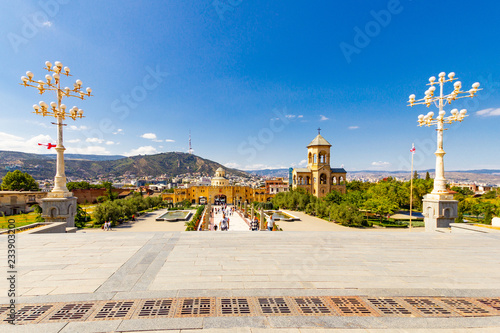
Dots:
pixel 411 185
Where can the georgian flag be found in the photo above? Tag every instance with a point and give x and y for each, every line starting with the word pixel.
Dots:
pixel 412 149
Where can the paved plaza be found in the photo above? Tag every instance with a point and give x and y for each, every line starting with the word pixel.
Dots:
pixel 454 271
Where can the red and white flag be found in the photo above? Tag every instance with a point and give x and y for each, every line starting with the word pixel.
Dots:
pixel 412 149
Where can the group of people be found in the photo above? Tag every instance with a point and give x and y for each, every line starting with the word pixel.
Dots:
pixel 106 226
pixel 254 224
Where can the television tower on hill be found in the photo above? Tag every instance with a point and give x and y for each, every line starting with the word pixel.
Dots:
pixel 190 151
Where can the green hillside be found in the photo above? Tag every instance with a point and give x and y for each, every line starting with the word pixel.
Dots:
pixel 171 163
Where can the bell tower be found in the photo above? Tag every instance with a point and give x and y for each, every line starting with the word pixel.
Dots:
pixel 318 161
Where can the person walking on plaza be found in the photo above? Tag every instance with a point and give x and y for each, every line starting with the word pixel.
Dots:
pixel 254 224
pixel 270 223
pixel 223 224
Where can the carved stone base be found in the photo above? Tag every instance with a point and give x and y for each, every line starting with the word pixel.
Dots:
pixel 59 210
pixel 439 211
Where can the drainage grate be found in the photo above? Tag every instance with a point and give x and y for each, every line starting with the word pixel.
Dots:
pixel 235 306
pixel 156 308
pixel 310 306
pixel 351 306
pixel 71 311
pixel 274 305
pixel 429 307
pixel 491 302
pixel 390 307
pixel 467 308
pixel 196 307
pixel 30 314
pixel 115 310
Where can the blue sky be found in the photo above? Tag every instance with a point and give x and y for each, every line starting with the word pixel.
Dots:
pixel 253 80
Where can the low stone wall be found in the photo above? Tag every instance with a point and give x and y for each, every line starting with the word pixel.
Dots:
pixel 465 227
pixel 41 228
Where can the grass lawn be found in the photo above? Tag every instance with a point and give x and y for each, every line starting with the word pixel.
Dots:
pixel 21 220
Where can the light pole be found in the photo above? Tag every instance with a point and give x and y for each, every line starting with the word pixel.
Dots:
pixel 60 205
pixel 439 207
pixel 58 111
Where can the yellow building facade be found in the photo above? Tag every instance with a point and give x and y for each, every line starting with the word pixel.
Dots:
pixel 318 178
pixel 219 192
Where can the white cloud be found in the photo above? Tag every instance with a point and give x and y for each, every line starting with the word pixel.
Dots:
pixel 380 164
pixel 118 131
pixel 275 119
pixel 78 128
pixel 110 142
pixel 262 167
pixel 17 143
pixel 150 136
pixel 353 127
pixel 74 140
pixel 300 116
pixel 169 140
pixel 303 162
pixel 232 165
pixel 322 118
pixel 290 116
pixel 491 112
pixel 47 24
pixel 144 150
pixel 90 150
pixel 94 140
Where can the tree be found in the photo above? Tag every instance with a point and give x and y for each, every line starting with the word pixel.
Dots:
pixel 415 175
pixel 18 181
pixel 347 214
pixel 81 217
pixel 462 190
pixel 333 197
pixel 427 176
pixel 381 206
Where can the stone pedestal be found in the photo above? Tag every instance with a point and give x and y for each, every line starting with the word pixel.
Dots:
pixel 439 211
pixel 59 209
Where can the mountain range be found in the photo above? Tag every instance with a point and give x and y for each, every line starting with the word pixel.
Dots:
pixel 42 166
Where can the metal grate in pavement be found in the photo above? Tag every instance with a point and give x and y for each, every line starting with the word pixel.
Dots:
pixel 70 312
pixel 351 306
pixel 155 308
pixel 388 306
pixel 312 306
pixel 467 307
pixel 30 314
pixel 490 302
pixel 196 307
pixel 429 307
pixel 236 306
pixel 275 305
pixel 114 310
pixel 254 306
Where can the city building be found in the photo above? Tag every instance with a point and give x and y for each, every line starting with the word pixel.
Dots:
pixel 276 185
pixel 318 178
pixel 219 192
pixel 17 202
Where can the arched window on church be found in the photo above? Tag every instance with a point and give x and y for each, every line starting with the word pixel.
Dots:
pixel 341 179
pixel 322 157
pixel 308 180
pixel 322 179
pixel 315 159
pixel 301 180
pixel 334 180
pixel 310 158
pixel 295 180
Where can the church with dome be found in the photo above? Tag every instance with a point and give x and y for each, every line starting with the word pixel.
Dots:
pixel 319 178
pixel 220 178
